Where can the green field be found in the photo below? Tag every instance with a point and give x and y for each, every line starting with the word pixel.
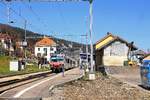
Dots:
pixel 4 68
pixel 4 64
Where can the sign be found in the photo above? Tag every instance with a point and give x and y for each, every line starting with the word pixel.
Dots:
pixel 91 76
pixel 24 43
pixel 13 66
pixel 84 56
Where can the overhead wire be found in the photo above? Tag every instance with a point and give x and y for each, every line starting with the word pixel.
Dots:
pixel 20 15
pixel 35 14
pixel 63 19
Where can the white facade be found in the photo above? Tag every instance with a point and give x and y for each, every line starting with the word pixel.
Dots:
pixel 115 54
pixel 45 51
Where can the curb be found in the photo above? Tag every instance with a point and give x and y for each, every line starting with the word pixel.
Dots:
pixel 60 84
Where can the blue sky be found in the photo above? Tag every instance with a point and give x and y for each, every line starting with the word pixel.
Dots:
pixel 129 19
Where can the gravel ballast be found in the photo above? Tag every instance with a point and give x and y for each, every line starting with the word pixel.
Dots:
pixel 103 88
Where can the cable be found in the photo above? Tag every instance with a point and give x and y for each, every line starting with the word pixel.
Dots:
pixel 19 15
pixel 35 14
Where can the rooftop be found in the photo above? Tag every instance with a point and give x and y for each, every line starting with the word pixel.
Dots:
pixel 110 38
pixel 45 42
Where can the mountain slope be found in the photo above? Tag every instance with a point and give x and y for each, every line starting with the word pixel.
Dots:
pixel 18 35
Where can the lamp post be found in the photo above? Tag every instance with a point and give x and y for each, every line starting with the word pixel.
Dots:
pixel 91 74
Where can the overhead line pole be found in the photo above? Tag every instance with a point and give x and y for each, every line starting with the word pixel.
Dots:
pixel 91 75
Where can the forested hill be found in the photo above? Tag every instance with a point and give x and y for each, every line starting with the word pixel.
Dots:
pixel 18 35
pixel 15 31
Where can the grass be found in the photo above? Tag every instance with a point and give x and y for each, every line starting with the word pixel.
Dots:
pixel 4 64
pixel 4 68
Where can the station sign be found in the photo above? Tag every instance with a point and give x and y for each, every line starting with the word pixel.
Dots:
pixel 84 56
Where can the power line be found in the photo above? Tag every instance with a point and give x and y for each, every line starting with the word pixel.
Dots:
pixel 49 0
pixel 20 15
pixel 35 14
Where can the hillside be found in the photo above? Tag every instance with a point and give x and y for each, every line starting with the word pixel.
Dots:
pixel 18 35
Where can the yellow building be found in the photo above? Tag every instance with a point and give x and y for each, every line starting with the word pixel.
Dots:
pixel 111 51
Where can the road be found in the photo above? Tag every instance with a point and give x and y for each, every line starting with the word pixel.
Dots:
pixel 40 89
pixel 130 75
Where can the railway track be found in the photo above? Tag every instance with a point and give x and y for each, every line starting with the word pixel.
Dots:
pixel 10 84
pixel 7 85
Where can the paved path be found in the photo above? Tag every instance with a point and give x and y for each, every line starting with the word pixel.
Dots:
pixel 126 74
pixel 129 75
pixel 41 88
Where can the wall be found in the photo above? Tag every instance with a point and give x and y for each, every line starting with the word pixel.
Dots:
pixel 42 51
pixel 99 57
pixel 114 60
pixel 115 54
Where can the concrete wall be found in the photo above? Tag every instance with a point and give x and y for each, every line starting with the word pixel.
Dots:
pixel 115 54
pixel 41 51
pixel 116 49
pixel 114 60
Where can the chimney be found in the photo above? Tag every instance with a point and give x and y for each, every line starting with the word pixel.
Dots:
pixel 108 33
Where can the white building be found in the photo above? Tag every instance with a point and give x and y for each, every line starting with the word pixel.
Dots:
pixel 45 47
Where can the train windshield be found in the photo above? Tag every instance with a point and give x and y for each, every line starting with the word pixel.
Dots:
pixel 57 59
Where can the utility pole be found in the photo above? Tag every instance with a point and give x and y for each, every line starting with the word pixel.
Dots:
pixel 25 40
pixel 91 74
pixel 87 56
pixel 25 31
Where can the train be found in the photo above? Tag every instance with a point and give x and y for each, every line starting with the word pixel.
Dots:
pixel 61 62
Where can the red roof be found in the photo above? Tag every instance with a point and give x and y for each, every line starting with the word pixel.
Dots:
pixel 45 42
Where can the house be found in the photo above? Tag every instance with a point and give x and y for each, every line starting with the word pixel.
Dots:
pixel 6 42
pixel 45 47
pixel 112 51
pixel 138 54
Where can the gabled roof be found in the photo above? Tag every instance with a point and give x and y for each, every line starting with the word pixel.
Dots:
pixel 140 52
pixel 110 38
pixel 146 57
pixel 45 42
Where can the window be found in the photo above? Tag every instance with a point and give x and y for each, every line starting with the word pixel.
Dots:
pixel 38 49
pixel 51 48
pixel 39 54
pixel 45 51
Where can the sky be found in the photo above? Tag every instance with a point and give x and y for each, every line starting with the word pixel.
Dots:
pixel 129 19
